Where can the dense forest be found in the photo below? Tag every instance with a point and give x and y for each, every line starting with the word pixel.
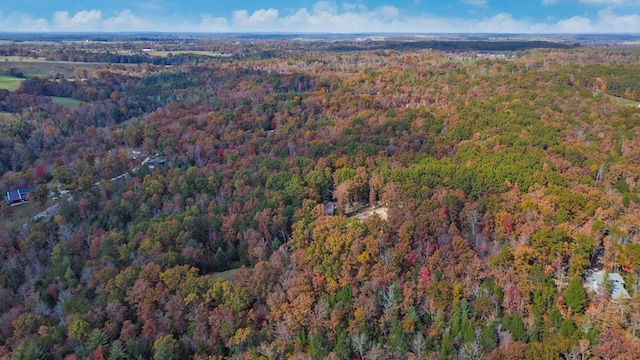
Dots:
pixel 475 195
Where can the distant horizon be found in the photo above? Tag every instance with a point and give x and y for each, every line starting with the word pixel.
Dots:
pixel 331 17
pixel 318 33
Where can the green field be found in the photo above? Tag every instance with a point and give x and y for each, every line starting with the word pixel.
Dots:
pixel 66 102
pixel 10 83
pixel 31 67
pixel 623 101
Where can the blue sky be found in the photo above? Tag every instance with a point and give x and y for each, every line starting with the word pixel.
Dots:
pixel 426 16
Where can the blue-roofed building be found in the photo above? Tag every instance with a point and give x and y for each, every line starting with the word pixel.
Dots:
pixel 19 196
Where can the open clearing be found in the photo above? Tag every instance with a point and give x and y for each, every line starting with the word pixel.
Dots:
pixel 226 275
pixel 66 102
pixel 10 83
pixel 31 67
pixel 382 212
pixel 20 214
pixel 623 101
pixel 363 211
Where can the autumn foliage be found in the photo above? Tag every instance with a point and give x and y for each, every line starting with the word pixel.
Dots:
pixel 191 208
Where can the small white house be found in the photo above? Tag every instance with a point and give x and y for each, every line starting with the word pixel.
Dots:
pixel 595 282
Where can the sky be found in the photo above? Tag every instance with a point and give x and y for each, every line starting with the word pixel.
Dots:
pixel 325 16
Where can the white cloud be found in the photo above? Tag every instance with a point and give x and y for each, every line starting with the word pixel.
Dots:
pixel 605 22
pixel 505 23
pixel 258 21
pixel 213 24
pixel 576 24
pixel 549 2
pixel 18 22
pixel 325 16
pixel 82 20
pixel 125 19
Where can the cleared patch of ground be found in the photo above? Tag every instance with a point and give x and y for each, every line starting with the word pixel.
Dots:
pixel 226 275
pixel 623 101
pixel 382 212
pixel 20 214
pixel 362 212
pixel 66 102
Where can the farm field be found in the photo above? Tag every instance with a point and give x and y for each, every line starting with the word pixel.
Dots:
pixel 10 83
pixel 41 67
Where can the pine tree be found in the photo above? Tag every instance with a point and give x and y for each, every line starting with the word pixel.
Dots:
pixel 575 295
pixel 489 337
pixel 516 328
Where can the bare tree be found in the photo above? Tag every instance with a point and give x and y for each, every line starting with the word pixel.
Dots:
pixel 418 345
pixel 470 351
pixel 580 351
pixel 359 343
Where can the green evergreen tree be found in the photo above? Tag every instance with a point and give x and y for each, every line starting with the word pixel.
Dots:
pixel 219 259
pixel 12 278
pixel 467 333
pixel 163 352
pixel 567 328
pixel 30 349
pixel 575 296
pixel 397 338
pixel 60 261
pixel 144 212
pixel 116 351
pixel 446 346
pixel 537 331
pixel 70 279
pixel 489 336
pixel 516 328
pixel 556 318
pixel 317 345
pixel 96 338
pixel 341 346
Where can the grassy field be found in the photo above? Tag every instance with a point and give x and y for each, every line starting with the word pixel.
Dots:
pixel 21 214
pixel 623 101
pixel 31 67
pixel 9 82
pixel 66 102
